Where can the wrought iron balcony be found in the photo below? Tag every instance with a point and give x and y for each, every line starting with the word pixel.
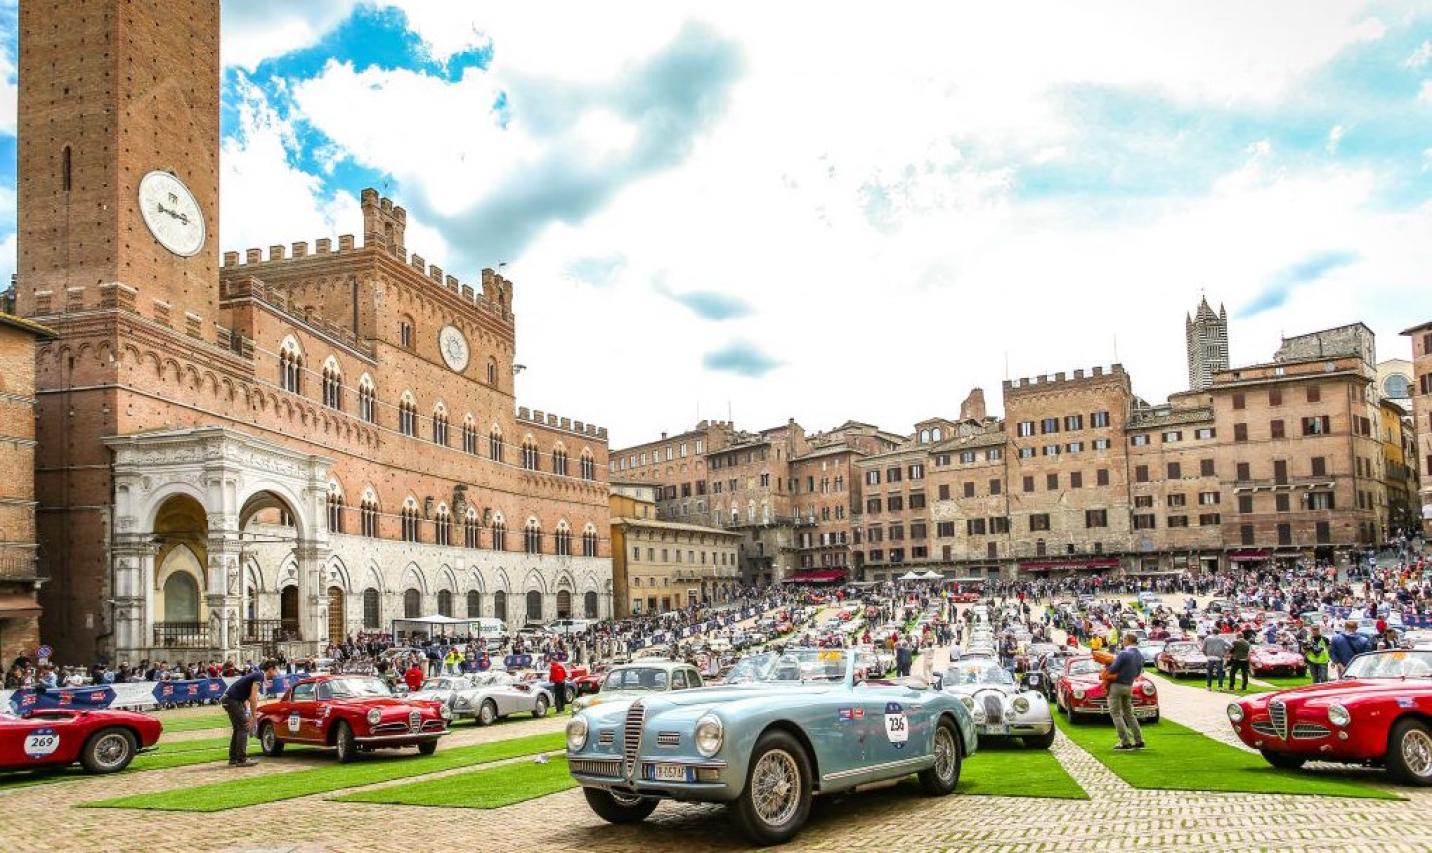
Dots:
pixel 181 635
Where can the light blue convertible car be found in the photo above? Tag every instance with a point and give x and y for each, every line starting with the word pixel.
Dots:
pixel 797 724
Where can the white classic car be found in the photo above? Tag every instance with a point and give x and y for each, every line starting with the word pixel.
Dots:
pixel 999 706
pixel 494 695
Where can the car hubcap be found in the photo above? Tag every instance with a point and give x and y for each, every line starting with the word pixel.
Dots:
pixel 1417 752
pixel 776 787
pixel 268 737
pixel 487 713
pixel 111 749
pixel 944 754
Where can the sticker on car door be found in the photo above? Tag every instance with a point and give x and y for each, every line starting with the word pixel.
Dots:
pixel 897 725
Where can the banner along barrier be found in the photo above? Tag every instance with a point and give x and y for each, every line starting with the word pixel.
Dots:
pixel 35 699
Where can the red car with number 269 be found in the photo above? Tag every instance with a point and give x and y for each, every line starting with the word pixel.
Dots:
pixel 102 741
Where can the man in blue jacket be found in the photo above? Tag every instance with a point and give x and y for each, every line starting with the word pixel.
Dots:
pixel 1347 645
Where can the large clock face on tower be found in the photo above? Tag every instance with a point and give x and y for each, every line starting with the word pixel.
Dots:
pixel 454 347
pixel 172 213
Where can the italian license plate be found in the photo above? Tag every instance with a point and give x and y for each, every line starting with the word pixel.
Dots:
pixel 668 773
pixel 1140 713
pixel 994 729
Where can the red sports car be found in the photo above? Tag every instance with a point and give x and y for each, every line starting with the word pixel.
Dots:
pixel 101 741
pixel 1276 660
pixel 1080 693
pixel 966 597
pixel 1378 713
pixel 351 713
pixel 589 682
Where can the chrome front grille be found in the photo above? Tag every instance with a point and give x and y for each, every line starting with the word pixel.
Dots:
pixel 993 708
pixel 606 737
pixel 668 739
pixel 390 728
pixel 596 767
pixel 631 735
pixel 1278 716
pixel 1264 728
pixel 1310 731
pixel 434 726
pixel 415 721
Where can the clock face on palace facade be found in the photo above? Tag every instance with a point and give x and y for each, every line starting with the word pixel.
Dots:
pixel 454 348
pixel 172 213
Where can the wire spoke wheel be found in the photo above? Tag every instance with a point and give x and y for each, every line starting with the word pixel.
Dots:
pixel 111 749
pixel 1417 752
pixel 777 787
pixel 944 753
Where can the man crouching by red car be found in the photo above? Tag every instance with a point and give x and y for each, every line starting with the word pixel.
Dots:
pixel 241 703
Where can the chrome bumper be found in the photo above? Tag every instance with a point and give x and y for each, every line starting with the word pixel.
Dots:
pixel 409 737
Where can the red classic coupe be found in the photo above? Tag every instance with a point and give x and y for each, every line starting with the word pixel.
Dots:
pixel 1269 659
pixel 101 741
pixel 1080 693
pixel 1377 714
pixel 1181 658
pixel 351 713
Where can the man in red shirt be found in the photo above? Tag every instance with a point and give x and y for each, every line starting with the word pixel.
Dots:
pixel 557 674
pixel 413 677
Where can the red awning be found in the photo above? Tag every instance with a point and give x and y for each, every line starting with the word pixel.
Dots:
pixel 1078 564
pixel 816 576
pixel 1247 556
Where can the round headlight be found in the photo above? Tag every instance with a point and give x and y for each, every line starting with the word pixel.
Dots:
pixel 445 712
pixel 1149 688
pixel 1338 715
pixel 374 715
pixel 710 734
pixel 1235 712
pixel 1079 693
pixel 969 703
pixel 1021 705
pixel 576 733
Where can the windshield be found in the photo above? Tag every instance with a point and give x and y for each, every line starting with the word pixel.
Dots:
pixel 445 684
pixel 749 668
pixel 353 688
pixel 979 672
pixel 1267 649
pixel 636 678
pixel 1085 667
pixel 796 665
pixel 1413 664
pixel 1182 648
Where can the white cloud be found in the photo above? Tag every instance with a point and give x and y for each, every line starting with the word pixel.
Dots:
pixel 1420 57
pixel 857 193
pixel 1425 93
pixel 9 94
pixel 1335 136
pixel 255 30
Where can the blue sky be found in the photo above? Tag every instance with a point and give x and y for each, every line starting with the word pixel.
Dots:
pixel 762 207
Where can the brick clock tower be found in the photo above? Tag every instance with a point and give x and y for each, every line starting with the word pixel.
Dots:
pixel 119 156
pixel 118 190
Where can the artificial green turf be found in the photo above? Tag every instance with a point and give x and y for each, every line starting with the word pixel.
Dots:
pixel 1014 771
pixel 367 770
pixel 491 788
pixel 195 723
pixel 1181 759
pixel 178 754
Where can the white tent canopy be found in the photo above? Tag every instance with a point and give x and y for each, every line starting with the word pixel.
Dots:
pixel 436 624
pixel 931 575
pixel 912 576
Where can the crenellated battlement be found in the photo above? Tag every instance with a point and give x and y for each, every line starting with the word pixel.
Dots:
pixel 1096 375
pixel 250 287
pixel 552 421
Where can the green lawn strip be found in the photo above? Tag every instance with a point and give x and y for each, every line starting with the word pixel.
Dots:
pixel 180 754
pixel 1014 771
pixel 1181 759
pixel 367 770
pixel 491 788
pixel 1000 771
pixel 1284 682
pixel 196 723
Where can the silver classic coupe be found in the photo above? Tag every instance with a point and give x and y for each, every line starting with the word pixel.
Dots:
pixel 804 722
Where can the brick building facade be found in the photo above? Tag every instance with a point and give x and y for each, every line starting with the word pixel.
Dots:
pixel 1421 392
pixel 659 565
pixel 283 447
pixel 20 575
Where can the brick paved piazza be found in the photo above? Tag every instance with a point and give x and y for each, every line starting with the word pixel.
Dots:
pixel 1116 818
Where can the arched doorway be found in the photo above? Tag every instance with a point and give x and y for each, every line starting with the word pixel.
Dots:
pixel 412 604
pixel 370 609
pixel 288 613
pixel 499 605
pixel 181 597
pixel 534 606
pixel 474 604
pixel 337 627
pixel 590 605
pixel 444 602
pixel 564 604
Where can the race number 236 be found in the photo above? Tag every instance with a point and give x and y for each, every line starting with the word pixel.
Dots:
pixel 897 728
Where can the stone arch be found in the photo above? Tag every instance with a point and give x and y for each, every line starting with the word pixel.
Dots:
pixel 336 574
pixel 413 578
pixel 180 584
pixel 447 579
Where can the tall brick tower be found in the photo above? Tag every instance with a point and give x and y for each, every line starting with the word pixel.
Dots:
pixel 118 204
pixel 111 92
pixel 1207 335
